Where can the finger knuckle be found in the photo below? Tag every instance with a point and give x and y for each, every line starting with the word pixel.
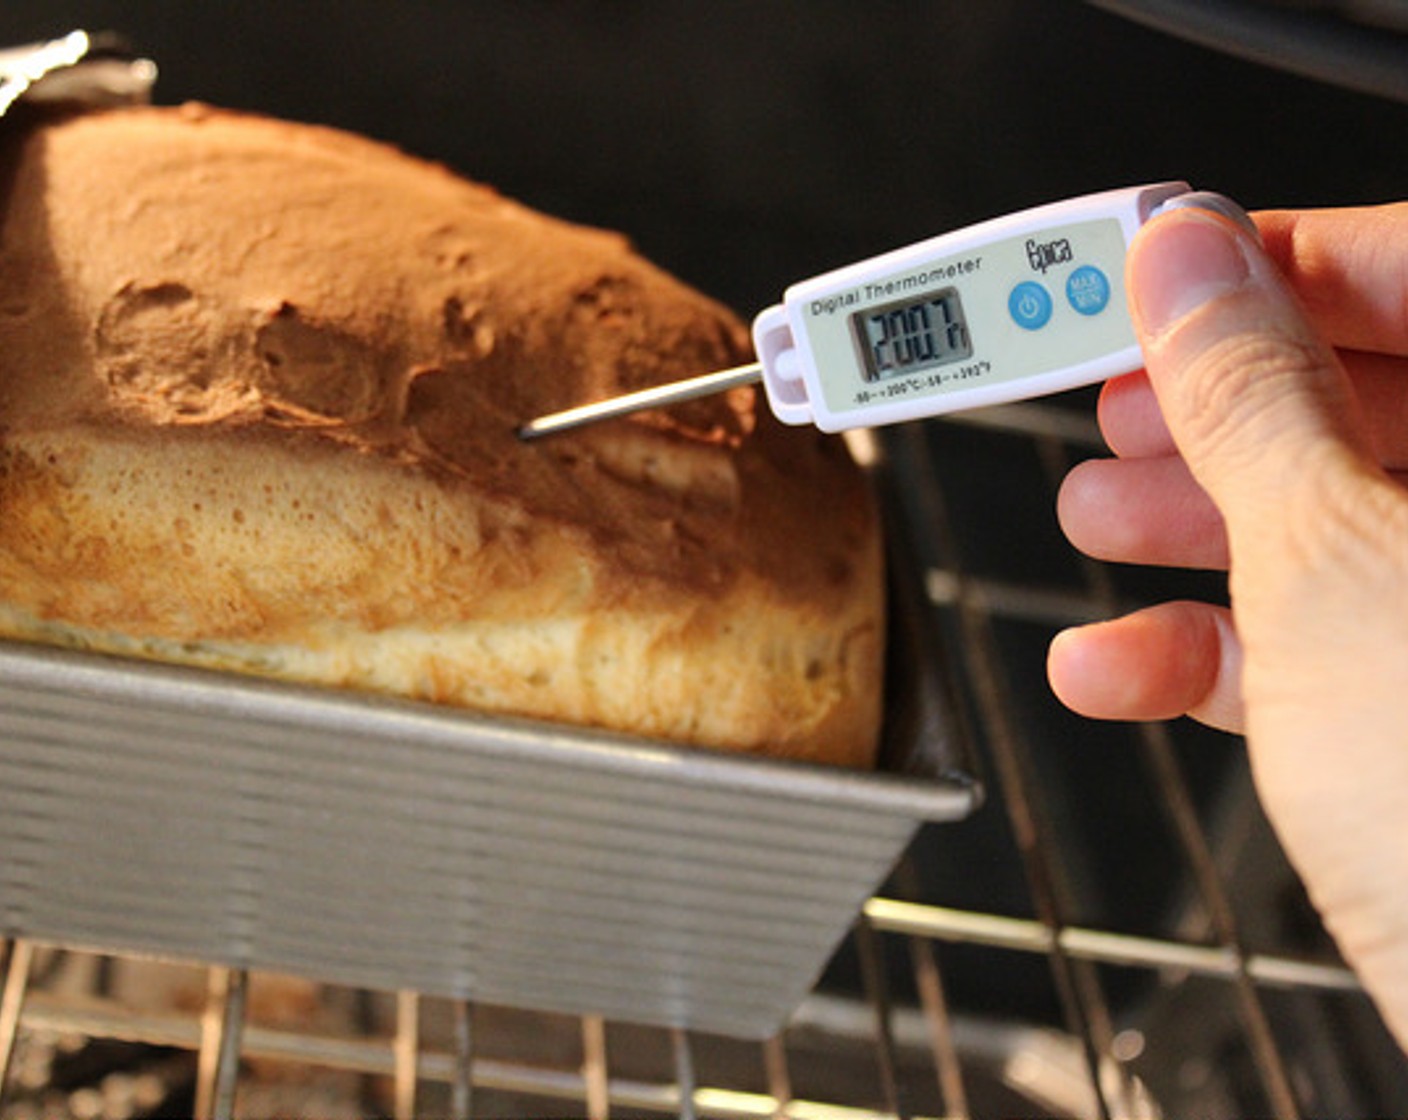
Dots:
pixel 1240 388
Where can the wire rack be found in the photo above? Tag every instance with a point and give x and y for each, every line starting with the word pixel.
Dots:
pixel 1115 933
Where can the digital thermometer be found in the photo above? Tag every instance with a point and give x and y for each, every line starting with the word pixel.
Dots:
pixel 1019 306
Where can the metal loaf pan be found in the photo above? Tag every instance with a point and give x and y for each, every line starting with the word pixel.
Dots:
pixel 223 819
pixel 393 845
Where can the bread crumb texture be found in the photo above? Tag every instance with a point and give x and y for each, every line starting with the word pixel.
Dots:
pixel 259 389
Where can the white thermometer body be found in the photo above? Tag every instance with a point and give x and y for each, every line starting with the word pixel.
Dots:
pixel 1020 306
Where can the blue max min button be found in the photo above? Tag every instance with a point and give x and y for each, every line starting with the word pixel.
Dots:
pixel 1088 290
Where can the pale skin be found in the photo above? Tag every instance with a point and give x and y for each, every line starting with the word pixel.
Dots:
pixel 1269 437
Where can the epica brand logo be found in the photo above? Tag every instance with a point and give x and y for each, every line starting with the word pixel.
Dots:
pixel 1043 254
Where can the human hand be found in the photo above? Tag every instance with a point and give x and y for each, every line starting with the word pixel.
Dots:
pixel 1264 439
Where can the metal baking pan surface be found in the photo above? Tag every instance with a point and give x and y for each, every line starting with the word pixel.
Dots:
pixel 394 845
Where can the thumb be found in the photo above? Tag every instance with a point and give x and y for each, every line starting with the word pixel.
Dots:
pixel 1258 405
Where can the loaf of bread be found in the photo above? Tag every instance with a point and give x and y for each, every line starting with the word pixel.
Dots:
pixel 259 391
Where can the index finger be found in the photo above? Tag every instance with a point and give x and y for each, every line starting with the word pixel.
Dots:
pixel 1349 269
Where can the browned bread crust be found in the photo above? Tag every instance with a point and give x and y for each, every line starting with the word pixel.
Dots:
pixel 259 385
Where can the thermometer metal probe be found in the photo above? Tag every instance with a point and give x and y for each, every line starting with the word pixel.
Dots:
pixel 1019 306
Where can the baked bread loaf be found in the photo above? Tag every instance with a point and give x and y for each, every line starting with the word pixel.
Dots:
pixel 259 391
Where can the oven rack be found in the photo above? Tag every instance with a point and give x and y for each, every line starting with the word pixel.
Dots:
pixel 221 1037
pixel 1226 1002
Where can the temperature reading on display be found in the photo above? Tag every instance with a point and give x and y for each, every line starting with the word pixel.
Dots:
pixel 900 338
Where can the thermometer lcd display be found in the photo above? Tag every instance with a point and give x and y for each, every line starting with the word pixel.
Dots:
pixel 912 335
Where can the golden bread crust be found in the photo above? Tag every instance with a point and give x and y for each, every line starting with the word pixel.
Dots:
pixel 259 386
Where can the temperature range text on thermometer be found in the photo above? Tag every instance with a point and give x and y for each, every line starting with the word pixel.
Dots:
pixel 1020 306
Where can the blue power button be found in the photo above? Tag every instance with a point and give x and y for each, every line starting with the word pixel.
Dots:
pixel 1030 305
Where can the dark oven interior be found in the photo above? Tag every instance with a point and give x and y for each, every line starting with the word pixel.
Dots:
pixel 1115 931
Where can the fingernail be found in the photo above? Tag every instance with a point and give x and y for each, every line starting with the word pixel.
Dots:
pixel 1179 266
pixel 1217 203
